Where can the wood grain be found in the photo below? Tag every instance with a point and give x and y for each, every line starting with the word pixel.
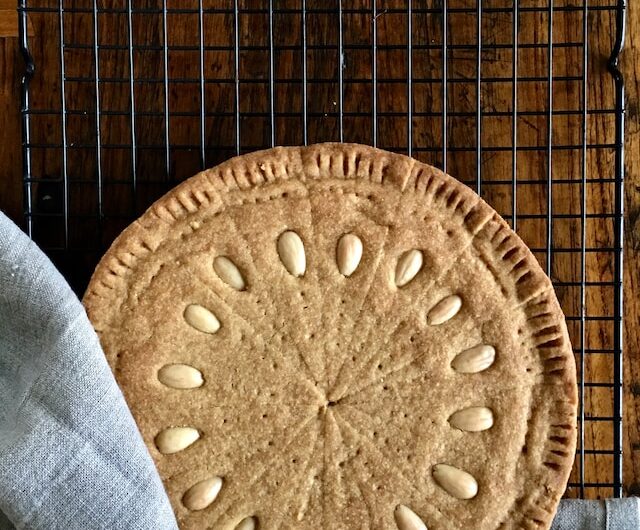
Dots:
pixel 9 20
pixel 98 214
pixel 631 69
pixel 11 66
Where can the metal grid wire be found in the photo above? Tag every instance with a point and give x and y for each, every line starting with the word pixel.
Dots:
pixel 127 100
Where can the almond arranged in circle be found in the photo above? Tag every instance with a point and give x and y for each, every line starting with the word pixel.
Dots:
pixel 339 337
pixel 474 360
pixel 349 254
pixel 406 519
pixel 202 494
pixel 455 482
pixel 248 523
pixel 444 310
pixel 180 376
pixel 291 252
pixel 201 318
pixel 175 439
pixel 408 266
pixel 229 273
pixel 472 419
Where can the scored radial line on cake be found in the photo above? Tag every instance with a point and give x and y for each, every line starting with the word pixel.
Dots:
pixel 372 358
pixel 254 332
pixel 411 264
pixel 411 484
pixel 324 384
pixel 470 419
pixel 310 378
pixel 365 442
pixel 221 301
pixel 395 212
pixel 264 468
pixel 341 475
pixel 311 284
pixel 292 253
pixel 489 392
pixel 365 500
pixel 247 249
pixel 431 284
pixel 291 250
pixel 316 471
pixel 294 490
pixel 330 424
pixel 353 391
pixel 441 312
pixel 356 404
pixel 374 272
pixel 439 274
pixel 400 467
pixel 408 360
pixel 315 193
pixel 417 491
pixel 233 312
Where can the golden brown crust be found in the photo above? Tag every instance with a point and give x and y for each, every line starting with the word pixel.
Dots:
pixel 482 245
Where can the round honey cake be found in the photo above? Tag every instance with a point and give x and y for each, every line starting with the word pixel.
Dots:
pixel 339 337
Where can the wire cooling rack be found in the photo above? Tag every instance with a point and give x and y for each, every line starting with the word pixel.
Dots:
pixel 121 101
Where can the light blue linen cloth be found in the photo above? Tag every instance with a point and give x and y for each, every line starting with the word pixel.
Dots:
pixel 608 514
pixel 71 457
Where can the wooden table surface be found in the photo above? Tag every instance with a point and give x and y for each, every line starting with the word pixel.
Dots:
pixel 11 67
pixel 631 69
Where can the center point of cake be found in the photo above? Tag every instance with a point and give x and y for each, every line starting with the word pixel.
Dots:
pixel 328 404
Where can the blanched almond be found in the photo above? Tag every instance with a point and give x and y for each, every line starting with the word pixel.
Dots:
pixel 455 482
pixel 474 359
pixel 229 273
pixel 348 254
pixel 291 252
pixel 201 318
pixel 180 376
pixel 444 310
pixel 408 266
pixel 406 519
pixel 202 493
pixel 248 523
pixel 176 439
pixel 472 419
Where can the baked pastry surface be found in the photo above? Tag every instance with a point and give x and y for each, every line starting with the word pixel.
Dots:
pixel 339 337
